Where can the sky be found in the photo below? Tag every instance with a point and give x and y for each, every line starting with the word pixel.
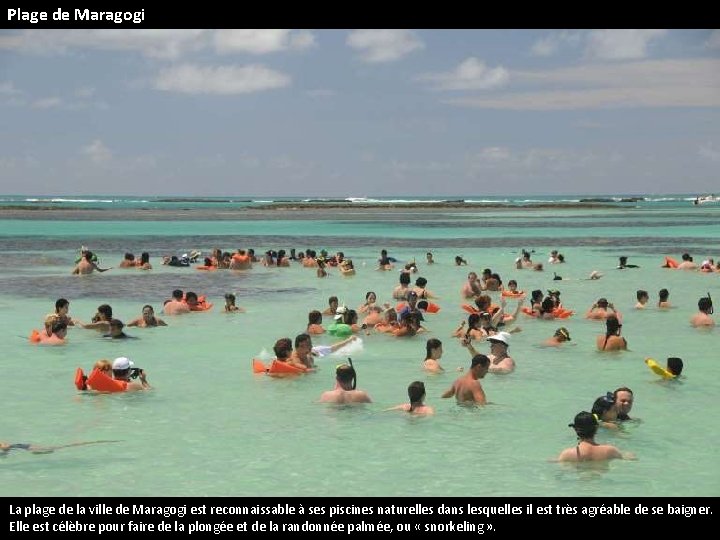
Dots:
pixel 359 113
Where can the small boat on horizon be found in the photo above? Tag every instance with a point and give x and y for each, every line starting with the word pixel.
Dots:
pixel 706 199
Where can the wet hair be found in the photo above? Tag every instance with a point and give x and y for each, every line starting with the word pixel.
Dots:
pixel 145 257
pixel 705 304
pixel 432 343
pixel 177 294
pixel 367 295
pixel 483 302
pixel 333 299
pixel 663 294
pixel 623 259
pixel 675 365
pixel 421 282
pixel 459 260
pixel 481 360
pixel 612 325
pixel 190 295
pixel 315 317
pixel 346 374
pixel 404 278
pixel 61 303
pixel 536 295
pixel 585 425
pixel 686 257
pixel 230 296
pixel 512 282
pixel 129 257
pixel 473 319
pixel 548 305
pixel 350 316
pixel 561 258
pixel 106 310
pixel 416 392
pixel 147 306
pixel 58 326
pixel 116 323
pixel 301 338
pixel 641 294
pixel 282 347
pixel 603 404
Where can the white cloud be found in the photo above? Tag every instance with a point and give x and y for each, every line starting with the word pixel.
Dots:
pixel 708 151
pixel 713 41
pixel 46 103
pixel 8 89
pixel 550 44
pixel 620 44
pixel 494 153
pixel 384 45
pixel 655 83
pixel 97 152
pixel 224 80
pixel 165 44
pixel 471 74
pixel 261 41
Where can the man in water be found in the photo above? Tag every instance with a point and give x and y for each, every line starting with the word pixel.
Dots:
pixel 122 369
pixel 35 449
pixel 467 388
pixel 702 317
pixel 345 391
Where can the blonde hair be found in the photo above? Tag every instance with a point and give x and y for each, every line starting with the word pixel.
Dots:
pixel 103 365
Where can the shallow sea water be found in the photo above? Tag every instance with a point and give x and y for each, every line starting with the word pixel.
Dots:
pixel 211 427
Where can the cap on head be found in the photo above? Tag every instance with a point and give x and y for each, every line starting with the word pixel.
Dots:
pixel 500 337
pixel 122 363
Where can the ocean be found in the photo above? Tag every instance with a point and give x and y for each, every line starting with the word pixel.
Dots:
pixel 211 427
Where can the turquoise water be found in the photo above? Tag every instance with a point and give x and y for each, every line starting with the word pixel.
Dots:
pixel 211 427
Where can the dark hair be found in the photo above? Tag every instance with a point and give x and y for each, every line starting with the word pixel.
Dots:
pixel 512 282
pixel 230 296
pixel 421 282
pixel 346 374
pixel 367 295
pixel 282 347
pixel 548 305
pixel 663 294
pixel 675 365
pixel 58 326
pixel 191 295
pixel 585 425
pixel 147 306
pixel 315 317
pixel 603 404
pixel 481 360
pixel 536 295
pixel 177 294
pixel 473 319
pixel 432 343
pixel 333 299
pixel 612 325
pixel 705 304
pixel 416 392
pixel 129 257
pixel 117 323
pixel 641 294
pixel 145 257
pixel 301 338
pixel 404 278
pixel 61 303
pixel 106 310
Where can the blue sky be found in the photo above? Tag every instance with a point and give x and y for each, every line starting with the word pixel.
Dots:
pixel 359 112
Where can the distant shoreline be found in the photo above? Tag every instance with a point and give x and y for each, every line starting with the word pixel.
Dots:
pixel 284 210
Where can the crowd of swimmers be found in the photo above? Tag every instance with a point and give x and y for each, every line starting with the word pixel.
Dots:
pixel 487 322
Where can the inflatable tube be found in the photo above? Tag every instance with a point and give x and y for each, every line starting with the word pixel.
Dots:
pixel 431 307
pixel 258 366
pixel 470 309
pixel 658 369
pixel 529 312
pixel 80 379
pixel 42 338
pixel 202 306
pixel 339 329
pixel 562 313
pixel 203 267
pixel 99 381
pixel 516 294
pixel 35 337
pixel 279 369
pixel 670 263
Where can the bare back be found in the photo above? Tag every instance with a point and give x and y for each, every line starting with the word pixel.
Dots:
pixel 467 389
pixel 341 396
pixel 586 451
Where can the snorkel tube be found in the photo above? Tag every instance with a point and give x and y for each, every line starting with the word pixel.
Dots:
pixel 354 381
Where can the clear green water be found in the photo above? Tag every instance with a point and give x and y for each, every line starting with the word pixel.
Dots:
pixel 211 427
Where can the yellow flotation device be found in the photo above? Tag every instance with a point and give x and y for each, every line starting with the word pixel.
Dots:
pixel 658 369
